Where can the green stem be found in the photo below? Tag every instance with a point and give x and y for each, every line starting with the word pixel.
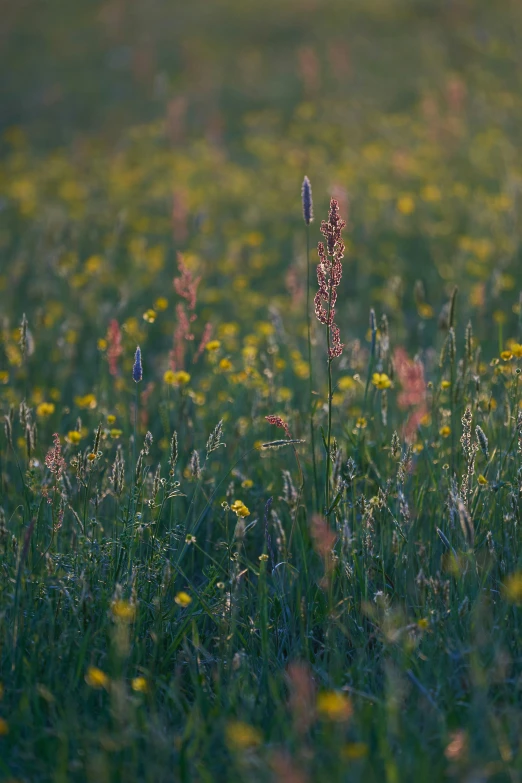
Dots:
pixel 309 326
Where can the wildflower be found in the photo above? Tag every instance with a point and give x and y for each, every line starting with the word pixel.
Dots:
pixel 506 356
pixel 263 558
pixel 361 423
pixel 239 508
pixel 329 272
pixel 457 746
pixel 186 285
pixel 346 383
pixel 139 685
pixel 423 623
pixel 161 303
pixel 445 431
pixel 425 310
pixel 180 378
pixel 74 437
pixel 45 409
pixel 137 370
pixel 183 599
pixel 149 316
pixel 213 345
pixel 308 204
pixel 115 433
pixel 247 484
pixel 4 727
pixel 512 588
pixel 482 480
pixel 354 751
pixel 124 611
pixel 88 401
pixel 445 385
pixel 406 205
pixel 96 678
pixel 516 350
pixel 334 706
pixel 381 381
pixel 241 736
pixel 225 365
pixel 111 418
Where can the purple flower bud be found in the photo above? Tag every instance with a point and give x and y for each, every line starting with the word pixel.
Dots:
pixel 137 370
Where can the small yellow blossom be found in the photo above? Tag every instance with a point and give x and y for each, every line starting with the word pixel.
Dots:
pixel 512 588
pixel 239 508
pixel 500 317
pixel 111 418
pixel 506 356
pixel 139 684
pixel 91 457
pixel 183 599
pixel 334 706
pixel 516 350
pixel 161 303
pixel 179 378
pixel 115 433
pixel 102 344
pixel 346 383
pixel 212 345
pixel 88 401
pixel 124 611
pixel 4 376
pixel 482 480
pixel 445 431
pixel 354 751
pixel 45 409
pixel 361 423
pixel 4 727
pixel 445 384
pixel 381 381
pixel 149 316
pixel 425 310
pixel 423 623
pixel 225 365
pixel 241 736
pixel 406 205
pixel 74 437
pixel 263 558
pixel 247 483
pixel 96 678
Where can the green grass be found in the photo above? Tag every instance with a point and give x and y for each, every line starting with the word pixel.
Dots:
pixel 217 607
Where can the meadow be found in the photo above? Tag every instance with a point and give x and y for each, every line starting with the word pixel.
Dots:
pixel 260 350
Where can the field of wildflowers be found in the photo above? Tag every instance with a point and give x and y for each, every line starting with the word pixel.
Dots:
pixel 260 349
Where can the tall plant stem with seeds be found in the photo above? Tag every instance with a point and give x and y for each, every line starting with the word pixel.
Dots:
pixel 310 400
pixel 329 430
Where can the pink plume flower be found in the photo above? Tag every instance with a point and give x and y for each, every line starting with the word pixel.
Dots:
pixel 329 273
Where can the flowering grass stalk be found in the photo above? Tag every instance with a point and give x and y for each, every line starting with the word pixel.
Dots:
pixel 329 273
pixel 308 215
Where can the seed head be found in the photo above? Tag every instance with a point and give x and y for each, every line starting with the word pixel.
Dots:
pixel 137 370
pixel 308 204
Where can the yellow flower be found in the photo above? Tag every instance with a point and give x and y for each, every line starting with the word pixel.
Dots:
pixel 96 678
pixel 212 345
pixel 512 588
pixel 381 381
pixel 111 418
pixel 406 205
pixel 183 599
pixel 353 751
pixel 179 378
pixel 247 484
pixel 445 431
pixel 499 317
pixel 506 356
pixel 102 344
pixel 139 684
pixel 482 480
pixel 124 611
pixel 45 409
pixel 114 433
pixel 334 706
pixel 4 376
pixel 516 349
pixel 241 736
pixel 225 365
pixel 74 437
pixel 425 310
pixel 445 384
pixel 361 423
pixel 239 508
pixel 4 727
pixel 149 316
pixel 87 401
pixel 161 303
pixel 346 383
pixel 426 420
pixel 423 623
